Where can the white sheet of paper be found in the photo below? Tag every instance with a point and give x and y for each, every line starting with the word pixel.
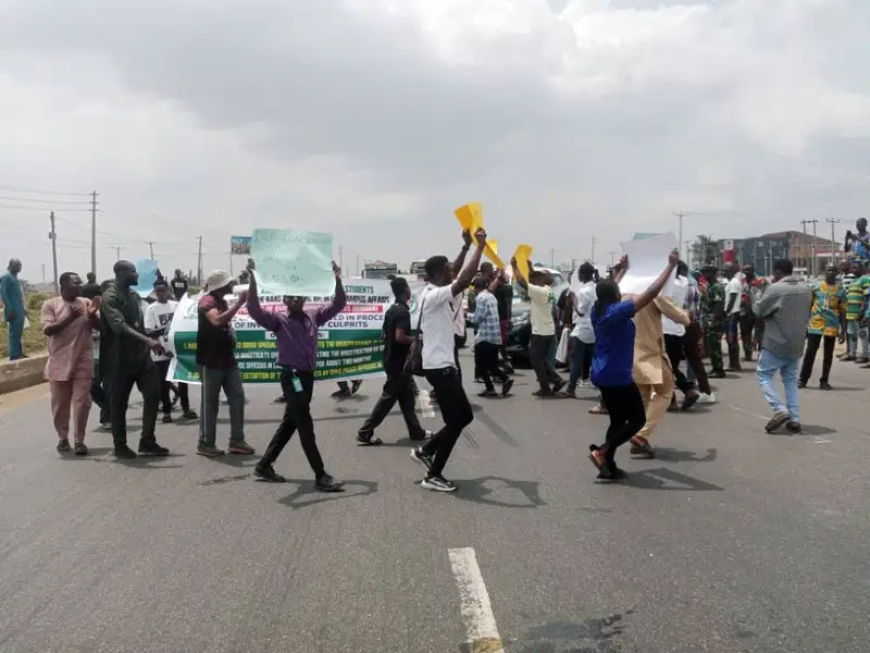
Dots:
pixel 646 260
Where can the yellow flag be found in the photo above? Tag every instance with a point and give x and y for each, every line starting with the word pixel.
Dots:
pixel 470 217
pixel 522 255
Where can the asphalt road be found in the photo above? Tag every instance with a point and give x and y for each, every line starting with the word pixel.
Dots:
pixel 731 541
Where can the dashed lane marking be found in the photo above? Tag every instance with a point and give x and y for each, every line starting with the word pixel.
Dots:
pixel 477 617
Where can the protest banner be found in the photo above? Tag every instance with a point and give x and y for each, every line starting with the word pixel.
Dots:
pixel 647 257
pixel 240 245
pixel 147 269
pixel 350 345
pixel 293 262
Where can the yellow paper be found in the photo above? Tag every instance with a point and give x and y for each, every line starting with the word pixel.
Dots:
pixel 522 255
pixel 470 217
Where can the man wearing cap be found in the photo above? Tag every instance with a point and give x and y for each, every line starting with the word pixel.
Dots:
pixel 296 332
pixel 125 360
pixel 218 369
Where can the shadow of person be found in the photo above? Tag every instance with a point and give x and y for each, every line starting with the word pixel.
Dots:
pixel 668 480
pixel 497 491
pixel 93 453
pixel 306 494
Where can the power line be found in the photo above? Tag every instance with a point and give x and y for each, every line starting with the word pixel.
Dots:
pixel 40 200
pixel 16 189
pixel 35 208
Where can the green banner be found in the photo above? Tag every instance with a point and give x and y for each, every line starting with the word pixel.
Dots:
pixel 350 346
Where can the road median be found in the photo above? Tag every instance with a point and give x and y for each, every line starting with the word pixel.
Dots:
pixel 23 373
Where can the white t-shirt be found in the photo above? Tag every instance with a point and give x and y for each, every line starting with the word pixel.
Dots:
pixel 159 316
pixel 584 301
pixel 541 298
pixel 438 326
pixel 459 320
pixel 679 288
pixel 734 287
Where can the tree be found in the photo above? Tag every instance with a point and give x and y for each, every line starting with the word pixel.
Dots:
pixel 703 250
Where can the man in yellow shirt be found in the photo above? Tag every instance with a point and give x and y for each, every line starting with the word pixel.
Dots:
pixel 827 323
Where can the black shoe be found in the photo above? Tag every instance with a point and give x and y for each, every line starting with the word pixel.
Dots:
pixel 327 483
pixel 793 427
pixel 824 385
pixel 267 473
pixel 802 384
pixel 209 451
pixel 63 446
pixel 123 452
pixel 167 418
pixel 438 484
pixel 488 393
pixel 776 421
pixel 506 387
pixel 190 415
pixel 355 386
pixel 558 385
pixel 149 447
pixel 368 439
pixel 81 449
pixel 417 455
pixel 280 400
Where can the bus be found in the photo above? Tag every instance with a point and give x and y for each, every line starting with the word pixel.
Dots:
pixel 416 268
pixel 379 270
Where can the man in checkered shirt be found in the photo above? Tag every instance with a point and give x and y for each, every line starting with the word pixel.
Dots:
pixel 488 340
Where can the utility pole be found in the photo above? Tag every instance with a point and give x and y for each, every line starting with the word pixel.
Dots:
pixel 833 221
pixel 357 265
pixel 151 248
pixel 612 258
pixel 199 262
pixel 53 236
pixel 118 252
pixel 686 260
pixel 594 239
pixel 680 215
pixel 552 258
pixel 815 242
pixel 43 273
pixel 812 262
pixel 340 257
pixel 94 231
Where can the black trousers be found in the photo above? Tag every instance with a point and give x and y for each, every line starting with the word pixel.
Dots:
pixel 540 354
pixel 747 327
pixel 487 364
pixel 297 417
pixel 624 405
pixel 813 342
pixel 121 385
pixel 166 387
pixel 674 349
pixel 397 388
pixel 456 410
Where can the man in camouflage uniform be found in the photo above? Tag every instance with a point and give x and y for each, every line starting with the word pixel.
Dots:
pixel 713 320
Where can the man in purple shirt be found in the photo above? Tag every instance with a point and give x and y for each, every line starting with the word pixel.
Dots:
pixel 296 333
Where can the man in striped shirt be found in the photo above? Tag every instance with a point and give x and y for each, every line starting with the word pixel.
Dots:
pixel 856 283
pixel 487 341
pixel 785 307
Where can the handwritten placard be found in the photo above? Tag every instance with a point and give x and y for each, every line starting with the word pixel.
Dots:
pixel 290 262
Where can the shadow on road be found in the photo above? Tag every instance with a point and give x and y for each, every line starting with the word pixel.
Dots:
pixel 93 452
pixel 678 456
pixel 306 494
pixel 666 479
pixel 486 490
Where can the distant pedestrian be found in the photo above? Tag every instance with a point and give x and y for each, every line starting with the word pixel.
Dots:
pixel 158 319
pixel 487 340
pixel 218 369
pixel 713 320
pixel 398 387
pixel 675 340
pixel 827 322
pixel 785 308
pixel 68 321
pixel 856 284
pixel 13 308
pixel 440 301
pixel 542 344
pixel 733 299
pixel 179 285
pixel 126 361
pixel 296 335
pixel 91 289
pixel 583 333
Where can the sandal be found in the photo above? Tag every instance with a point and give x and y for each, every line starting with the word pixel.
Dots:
pixel 598 410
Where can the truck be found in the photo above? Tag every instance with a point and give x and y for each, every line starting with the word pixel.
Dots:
pixel 379 270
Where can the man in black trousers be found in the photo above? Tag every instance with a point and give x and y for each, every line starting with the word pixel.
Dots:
pixel 398 387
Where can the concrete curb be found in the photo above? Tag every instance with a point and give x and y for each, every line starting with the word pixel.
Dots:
pixel 24 373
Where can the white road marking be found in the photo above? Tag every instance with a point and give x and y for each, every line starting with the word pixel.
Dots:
pixel 749 412
pixel 477 617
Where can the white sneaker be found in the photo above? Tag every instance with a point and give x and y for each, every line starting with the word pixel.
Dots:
pixel 707 399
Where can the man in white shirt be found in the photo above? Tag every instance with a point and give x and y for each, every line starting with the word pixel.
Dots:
pixel 158 319
pixel 675 335
pixel 583 334
pixel 542 344
pixel 733 293
pixel 438 305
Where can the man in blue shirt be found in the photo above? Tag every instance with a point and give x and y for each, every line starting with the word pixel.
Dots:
pixel 488 341
pixel 13 308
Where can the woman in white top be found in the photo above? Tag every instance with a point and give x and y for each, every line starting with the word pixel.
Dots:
pixel 583 334
pixel 438 306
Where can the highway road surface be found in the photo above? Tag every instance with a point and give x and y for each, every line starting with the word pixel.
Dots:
pixel 731 541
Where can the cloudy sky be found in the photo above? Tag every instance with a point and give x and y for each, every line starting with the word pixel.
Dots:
pixel 373 119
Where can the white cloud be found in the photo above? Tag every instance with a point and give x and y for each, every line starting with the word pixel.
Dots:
pixel 374 118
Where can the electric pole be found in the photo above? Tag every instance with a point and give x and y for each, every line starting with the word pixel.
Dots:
pixel 199 262
pixel 833 221
pixel 118 253
pixel 94 231
pixel 612 258
pixel 53 236
pixel 151 248
pixel 680 215
pixel 815 243
pixel 812 262
pixel 594 239
pixel 552 258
